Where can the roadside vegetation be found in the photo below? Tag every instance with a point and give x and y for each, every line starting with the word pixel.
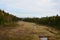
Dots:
pixel 27 30
pixel 7 19
pixel 53 21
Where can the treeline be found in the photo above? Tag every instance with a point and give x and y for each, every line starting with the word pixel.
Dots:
pixel 6 18
pixel 53 21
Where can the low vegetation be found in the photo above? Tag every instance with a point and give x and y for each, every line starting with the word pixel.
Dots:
pixel 53 21
pixel 27 30
pixel 7 19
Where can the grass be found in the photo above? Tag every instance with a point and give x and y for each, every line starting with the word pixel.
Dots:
pixel 26 31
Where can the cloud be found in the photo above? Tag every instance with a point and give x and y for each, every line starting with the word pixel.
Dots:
pixel 28 4
pixel 32 6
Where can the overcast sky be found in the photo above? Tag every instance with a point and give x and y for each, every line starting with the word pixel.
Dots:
pixel 31 8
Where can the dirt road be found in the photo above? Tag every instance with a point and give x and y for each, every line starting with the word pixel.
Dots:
pixel 27 31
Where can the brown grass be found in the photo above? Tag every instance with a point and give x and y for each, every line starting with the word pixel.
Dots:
pixel 28 31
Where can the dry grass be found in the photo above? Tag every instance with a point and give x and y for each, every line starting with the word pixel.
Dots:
pixel 27 31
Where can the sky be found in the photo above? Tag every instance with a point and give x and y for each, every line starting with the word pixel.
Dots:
pixel 31 8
